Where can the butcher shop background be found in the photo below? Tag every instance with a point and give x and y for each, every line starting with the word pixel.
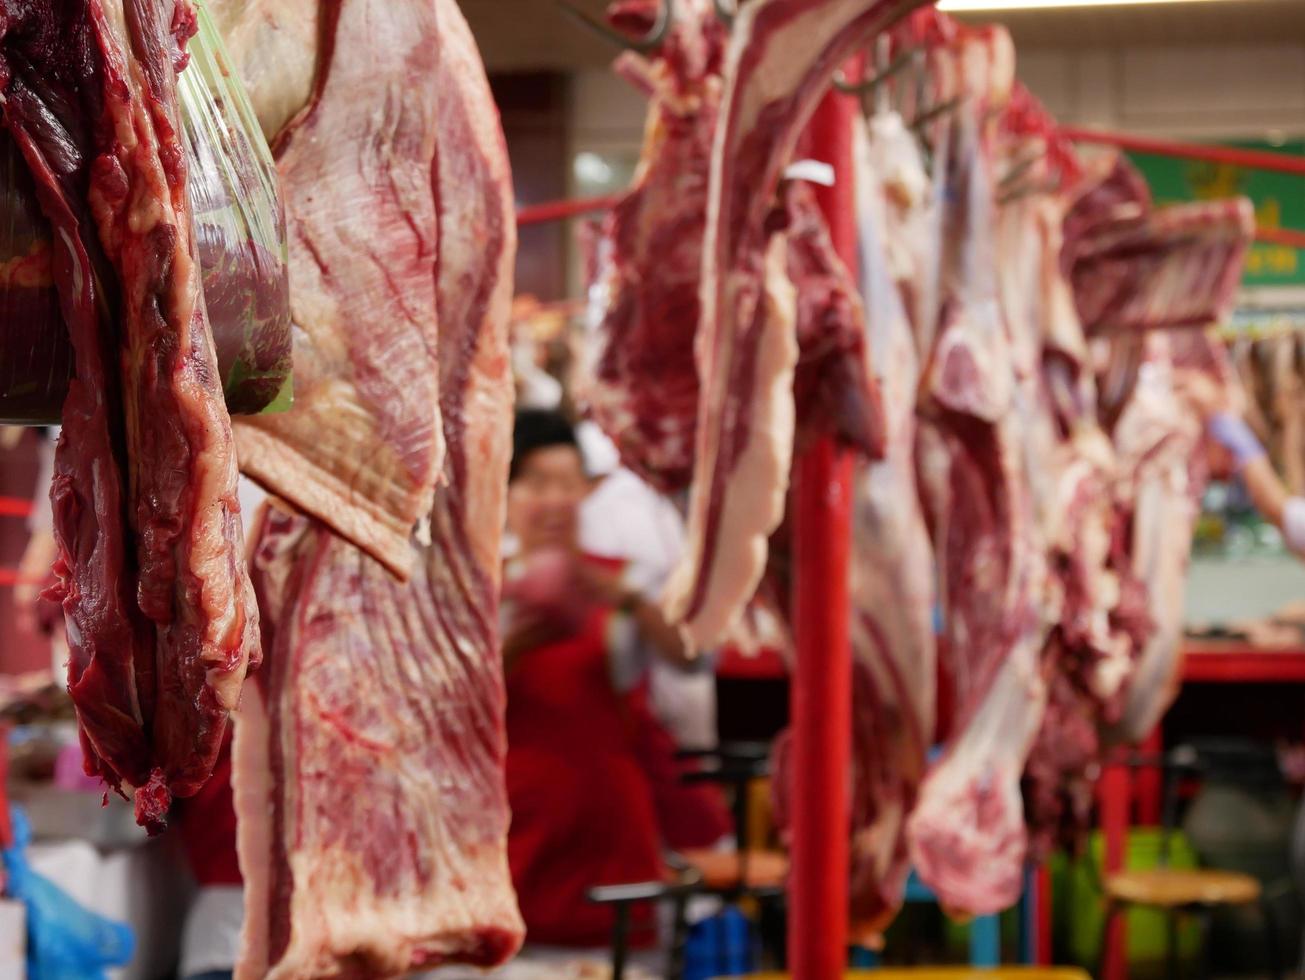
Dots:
pixel 1210 72
pixel 1216 73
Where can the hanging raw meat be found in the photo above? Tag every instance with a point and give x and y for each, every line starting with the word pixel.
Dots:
pixel 638 378
pixel 1091 603
pixel 362 448
pixel 239 233
pixel 892 580
pixel 745 357
pixel 369 754
pixel 892 571
pixel 161 618
pixel 1157 438
pixel 968 840
pixel 1138 268
pixel 1180 266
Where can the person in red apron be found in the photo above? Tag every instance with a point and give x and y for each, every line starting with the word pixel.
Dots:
pixel 584 806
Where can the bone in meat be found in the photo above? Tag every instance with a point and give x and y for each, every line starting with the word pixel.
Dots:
pixel 161 619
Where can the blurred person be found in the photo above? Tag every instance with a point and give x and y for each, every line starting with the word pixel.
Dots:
pixel 581 752
pixel 626 519
pixel 1236 450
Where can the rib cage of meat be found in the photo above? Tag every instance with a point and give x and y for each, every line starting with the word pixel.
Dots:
pixel 1179 266
pixel 368 758
pixel 638 377
pixel 161 619
pixel 362 447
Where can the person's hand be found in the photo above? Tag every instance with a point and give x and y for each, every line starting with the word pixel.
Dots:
pixel 1204 394
pixel 603 585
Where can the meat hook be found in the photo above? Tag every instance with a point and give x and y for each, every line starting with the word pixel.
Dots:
pixel 648 43
pixel 936 112
pixel 1020 169
pixel 895 67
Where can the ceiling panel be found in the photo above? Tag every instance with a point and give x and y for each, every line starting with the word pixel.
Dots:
pixel 520 35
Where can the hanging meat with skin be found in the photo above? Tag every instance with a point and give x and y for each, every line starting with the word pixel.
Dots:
pixel 162 624
pixel 638 378
pixel 1158 437
pixel 1137 268
pixel 1087 657
pixel 968 839
pixel 892 620
pixel 781 57
pixel 361 253
pixel 892 570
pixel 368 763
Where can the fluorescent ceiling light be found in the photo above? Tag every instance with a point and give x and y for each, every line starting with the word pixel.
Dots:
pixel 961 6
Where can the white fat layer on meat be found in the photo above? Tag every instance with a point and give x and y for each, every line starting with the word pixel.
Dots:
pixel 753 500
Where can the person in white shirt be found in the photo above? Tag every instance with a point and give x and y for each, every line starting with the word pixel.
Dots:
pixel 623 517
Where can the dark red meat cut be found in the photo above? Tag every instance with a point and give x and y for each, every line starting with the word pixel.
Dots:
pixel 239 242
pixel 161 618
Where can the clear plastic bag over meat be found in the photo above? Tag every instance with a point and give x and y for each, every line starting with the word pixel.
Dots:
pixel 239 237
pixel 38 358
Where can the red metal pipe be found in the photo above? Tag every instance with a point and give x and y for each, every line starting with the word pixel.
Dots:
pixel 822 680
pixel 1283 163
pixel 1289 237
pixel 1114 794
pixel 537 214
pixel 14 507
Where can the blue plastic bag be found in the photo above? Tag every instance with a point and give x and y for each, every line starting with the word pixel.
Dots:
pixel 64 940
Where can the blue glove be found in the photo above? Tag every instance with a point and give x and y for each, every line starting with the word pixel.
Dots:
pixel 64 940
pixel 1236 436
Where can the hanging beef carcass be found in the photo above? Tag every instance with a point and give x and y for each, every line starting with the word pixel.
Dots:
pixel 968 840
pixel 1091 602
pixel 892 569
pixel 1134 269
pixel 161 618
pixel 745 357
pixel 368 756
pixel 892 579
pixel 638 376
pixel 362 448
pixel 1157 438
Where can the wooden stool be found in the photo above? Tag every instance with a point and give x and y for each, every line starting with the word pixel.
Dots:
pixel 956 973
pixel 739 871
pixel 1169 888
pixel 1183 891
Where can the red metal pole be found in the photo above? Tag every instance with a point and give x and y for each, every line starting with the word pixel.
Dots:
pixel 537 214
pixel 1283 163
pixel 1289 237
pixel 822 680
pixel 15 507
pixel 1113 797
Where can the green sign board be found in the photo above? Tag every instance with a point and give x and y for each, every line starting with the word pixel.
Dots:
pixel 1279 203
